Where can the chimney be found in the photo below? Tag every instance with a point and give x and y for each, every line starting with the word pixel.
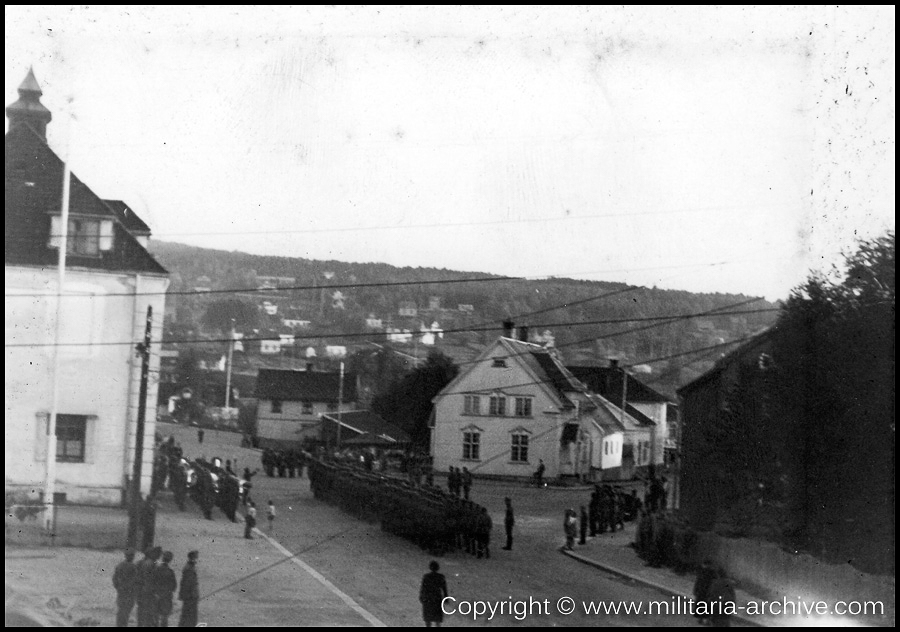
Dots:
pixel 613 363
pixel 523 334
pixel 309 367
pixel 508 326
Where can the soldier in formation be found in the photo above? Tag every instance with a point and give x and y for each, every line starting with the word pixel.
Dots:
pixel 435 520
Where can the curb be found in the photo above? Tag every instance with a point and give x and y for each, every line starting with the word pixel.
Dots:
pixel 647 583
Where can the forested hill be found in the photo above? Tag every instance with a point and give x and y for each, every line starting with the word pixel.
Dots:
pixel 470 311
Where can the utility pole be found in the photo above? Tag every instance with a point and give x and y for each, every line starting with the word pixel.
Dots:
pixel 340 405
pixel 143 350
pixel 228 368
pixel 50 480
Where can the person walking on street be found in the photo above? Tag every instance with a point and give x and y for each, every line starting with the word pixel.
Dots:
pixel 509 522
pixel 189 592
pixel 466 482
pixel 124 581
pixel 539 474
pixel 250 520
pixel 570 526
pixel 705 577
pixel 583 526
pixel 721 599
pixel 432 593
pixel 270 514
pixel 165 584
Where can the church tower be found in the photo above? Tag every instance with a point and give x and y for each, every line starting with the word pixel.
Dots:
pixel 28 109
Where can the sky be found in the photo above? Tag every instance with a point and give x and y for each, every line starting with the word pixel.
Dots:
pixel 729 149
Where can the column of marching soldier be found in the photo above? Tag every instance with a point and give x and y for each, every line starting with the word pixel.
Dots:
pixel 427 515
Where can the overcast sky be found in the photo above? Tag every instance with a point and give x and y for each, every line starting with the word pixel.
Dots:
pixel 707 149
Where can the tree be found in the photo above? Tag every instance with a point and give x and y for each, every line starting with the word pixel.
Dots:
pixel 407 402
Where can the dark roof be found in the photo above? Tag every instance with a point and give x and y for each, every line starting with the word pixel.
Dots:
pixel 638 416
pixel 548 368
pixel 365 422
pixel 34 178
pixel 311 386
pixel 736 354
pixel 607 381
pixel 129 219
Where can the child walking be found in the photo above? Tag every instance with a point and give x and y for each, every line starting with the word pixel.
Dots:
pixel 270 514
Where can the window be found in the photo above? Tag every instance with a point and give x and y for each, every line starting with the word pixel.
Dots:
pixel 497 405
pixel 85 236
pixel 276 406
pixel 519 450
pixel 472 405
pixel 499 363
pixel 70 436
pixel 472 446
pixel 307 408
pixel 523 407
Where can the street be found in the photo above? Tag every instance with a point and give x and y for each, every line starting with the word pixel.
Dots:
pixel 382 572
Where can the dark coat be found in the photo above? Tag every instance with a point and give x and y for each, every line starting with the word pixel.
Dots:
pixel 190 588
pixel 164 584
pixel 125 579
pixel 431 594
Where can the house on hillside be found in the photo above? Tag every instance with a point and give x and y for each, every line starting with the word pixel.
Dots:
pixel 291 403
pixel 408 309
pixel 361 428
pixel 110 282
pixel 517 405
pixel 646 406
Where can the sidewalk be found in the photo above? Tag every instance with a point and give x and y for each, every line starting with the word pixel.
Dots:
pixel 73 586
pixel 613 553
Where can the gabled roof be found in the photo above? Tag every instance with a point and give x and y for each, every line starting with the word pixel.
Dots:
pixel 130 220
pixel 548 372
pixel 311 386
pixel 607 381
pixel 34 179
pixel 611 415
pixel 761 338
pixel 365 422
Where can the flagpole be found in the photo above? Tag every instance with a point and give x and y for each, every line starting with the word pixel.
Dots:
pixel 50 479
pixel 228 368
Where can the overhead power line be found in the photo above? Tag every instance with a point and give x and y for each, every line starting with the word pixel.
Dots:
pixel 342 335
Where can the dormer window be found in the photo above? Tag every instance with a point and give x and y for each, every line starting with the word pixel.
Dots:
pixel 499 363
pixel 86 236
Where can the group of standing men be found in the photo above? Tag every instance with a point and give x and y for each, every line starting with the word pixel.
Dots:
pixel 151 584
pixel 459 482
pixel 284 462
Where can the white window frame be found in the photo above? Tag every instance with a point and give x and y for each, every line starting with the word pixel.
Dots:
pixel 524 406
pixel 497 405
pixel 472 405
pixel 519 443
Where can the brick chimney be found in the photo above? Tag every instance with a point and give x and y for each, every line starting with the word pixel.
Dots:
pixel 523 334
pixel 508 327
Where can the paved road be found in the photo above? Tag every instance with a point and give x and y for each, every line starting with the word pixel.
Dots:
pixel 381 573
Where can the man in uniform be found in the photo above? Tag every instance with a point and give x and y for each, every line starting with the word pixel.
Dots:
pixel 164 584
pixel 124 578
pixel 146 596
pixel 508 522
pixel 189 592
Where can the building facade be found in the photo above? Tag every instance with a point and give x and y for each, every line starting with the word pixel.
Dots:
pixel 92 324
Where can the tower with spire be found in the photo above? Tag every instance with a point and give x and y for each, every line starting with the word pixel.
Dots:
pixel 29 110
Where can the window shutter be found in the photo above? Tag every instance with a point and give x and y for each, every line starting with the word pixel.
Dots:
pixel 41 421
pixel 55 231
pixel 106 235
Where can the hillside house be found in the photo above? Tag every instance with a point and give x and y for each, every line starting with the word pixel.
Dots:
pixel 110 281
pixel 291 403
pixel 408 309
